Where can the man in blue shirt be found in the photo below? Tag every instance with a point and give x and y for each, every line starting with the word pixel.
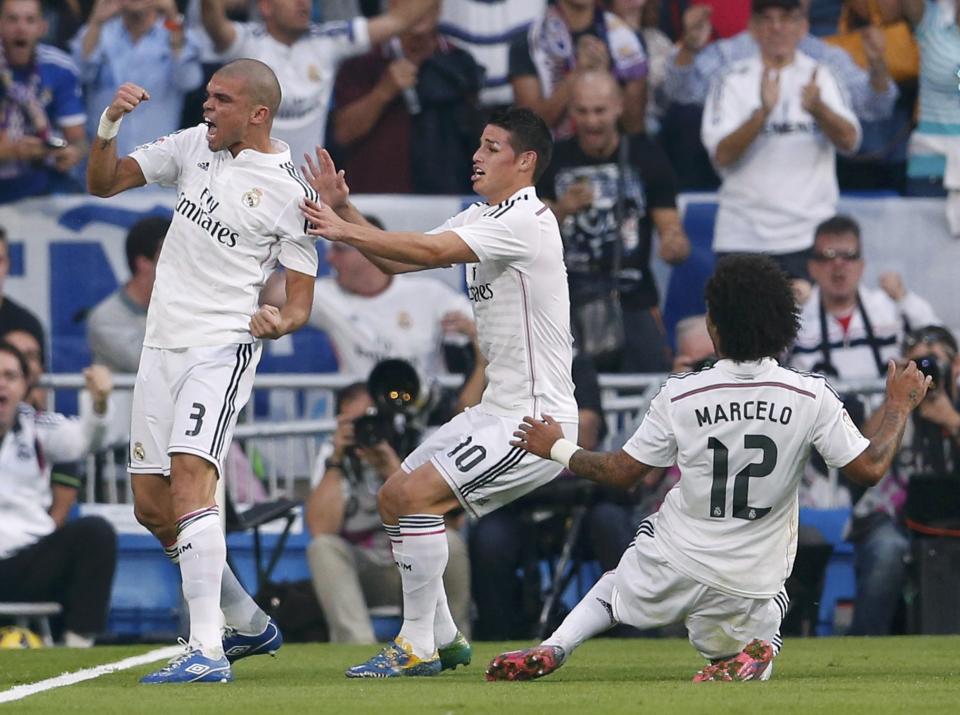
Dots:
pixel 41 109
pixel 144 43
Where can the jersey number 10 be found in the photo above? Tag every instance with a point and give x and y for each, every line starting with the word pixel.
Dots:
pixel 718 491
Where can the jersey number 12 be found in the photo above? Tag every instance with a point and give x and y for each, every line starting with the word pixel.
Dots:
pixel 718 490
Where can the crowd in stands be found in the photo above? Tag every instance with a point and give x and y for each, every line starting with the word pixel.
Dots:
pixel 367 78
pixel 778 105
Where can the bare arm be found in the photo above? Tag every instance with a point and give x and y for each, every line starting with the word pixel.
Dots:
pixel 63 500
pixel 674 244
pixel 106 174
pixel 841 133
pixel 906 389
pixel 612 469
pixel 733 146
pixel 635 106
pixel 354 121
pixel 399 19
pixel 271 322
pixel 433 250
pixel 218 26
pixel 526 93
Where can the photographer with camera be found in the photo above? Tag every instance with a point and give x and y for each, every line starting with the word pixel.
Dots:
pixel 881 541
pixel 350 557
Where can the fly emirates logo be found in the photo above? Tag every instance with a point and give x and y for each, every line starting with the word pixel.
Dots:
pixel 199 212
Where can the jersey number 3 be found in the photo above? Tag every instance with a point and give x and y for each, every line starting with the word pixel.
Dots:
pixel 718 491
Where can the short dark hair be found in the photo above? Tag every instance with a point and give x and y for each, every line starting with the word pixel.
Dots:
pixel 528 132
pixel 350 392
pixel 760 5
pixel 837 225
pixel 144 239
pixel 751 303
pixel 931 335
pixel 6 347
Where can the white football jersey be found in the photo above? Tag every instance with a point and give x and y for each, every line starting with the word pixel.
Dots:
pixel 741 433
pixel 785 183
pixel 404 321
pixel 521 303
pixel 235 217
pixel 306 71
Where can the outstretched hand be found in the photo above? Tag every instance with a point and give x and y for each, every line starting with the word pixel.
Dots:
pixel 323 176
pixel 324 221
pixel 537 436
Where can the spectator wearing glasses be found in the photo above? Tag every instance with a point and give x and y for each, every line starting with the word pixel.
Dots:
pixel 848 330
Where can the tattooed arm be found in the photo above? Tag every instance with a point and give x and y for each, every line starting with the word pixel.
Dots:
pixel 906 389
pixel 612 469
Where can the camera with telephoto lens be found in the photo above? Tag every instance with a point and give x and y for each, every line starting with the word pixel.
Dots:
pixel 395 388
pixel 929 366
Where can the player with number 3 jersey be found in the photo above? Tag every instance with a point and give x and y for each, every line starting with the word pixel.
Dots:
pixel 237 214
pixel 718 552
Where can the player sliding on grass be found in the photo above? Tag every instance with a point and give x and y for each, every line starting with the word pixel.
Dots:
pixel 518 284
pixel 717 553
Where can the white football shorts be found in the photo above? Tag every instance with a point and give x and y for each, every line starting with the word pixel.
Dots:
pixel 187 400
pixel 473 454
pixel 649 593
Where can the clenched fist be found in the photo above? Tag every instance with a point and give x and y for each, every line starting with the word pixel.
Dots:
pixel 128 96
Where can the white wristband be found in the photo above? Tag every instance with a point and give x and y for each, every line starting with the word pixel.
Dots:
pixel 562 450
pixel 108 129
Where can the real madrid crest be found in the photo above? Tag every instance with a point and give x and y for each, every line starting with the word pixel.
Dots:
pixel 313 73
pixel 251 199
pixel 138 452
pixel 403 320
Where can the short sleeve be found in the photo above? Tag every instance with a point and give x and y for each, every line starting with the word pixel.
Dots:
pixel 453 222
pixel 298 251
pixel 654 443
pixel 724 111
pixel 68 106
pixel 161 160
pixel 346 38
pixel 520 62
pixel 494 240
pixel 835 436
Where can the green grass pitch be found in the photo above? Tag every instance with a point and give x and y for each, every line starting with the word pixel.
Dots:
pixel 839 676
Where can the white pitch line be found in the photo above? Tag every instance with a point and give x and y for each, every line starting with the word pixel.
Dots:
pixel 19 692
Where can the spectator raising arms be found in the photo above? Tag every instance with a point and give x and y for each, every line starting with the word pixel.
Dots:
pixel 305 56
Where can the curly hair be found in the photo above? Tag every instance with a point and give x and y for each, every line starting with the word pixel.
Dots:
pixel 750 301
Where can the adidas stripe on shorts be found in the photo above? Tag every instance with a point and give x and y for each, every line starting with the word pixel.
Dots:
pixel 187 400
pixel 473 454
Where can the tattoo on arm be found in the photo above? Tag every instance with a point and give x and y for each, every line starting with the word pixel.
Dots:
pixel 613 469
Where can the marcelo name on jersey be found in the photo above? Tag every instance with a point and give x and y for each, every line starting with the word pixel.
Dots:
pixel 199 212
pixel 747 410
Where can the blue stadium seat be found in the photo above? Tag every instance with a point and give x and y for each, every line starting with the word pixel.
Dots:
pixel 839 583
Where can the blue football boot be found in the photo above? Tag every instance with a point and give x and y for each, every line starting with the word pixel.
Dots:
pixel 192 666
pixel 237 645
pixel 395 660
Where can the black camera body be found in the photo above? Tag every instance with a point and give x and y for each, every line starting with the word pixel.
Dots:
pixel 372 428
pixel 395 388
pixel 930 367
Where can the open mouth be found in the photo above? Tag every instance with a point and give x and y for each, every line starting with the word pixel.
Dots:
pixel 211 129
pixel 477 173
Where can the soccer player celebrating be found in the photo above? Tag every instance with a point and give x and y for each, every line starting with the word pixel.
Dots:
pixel 518 285
pixel 237 213
pixel 717 553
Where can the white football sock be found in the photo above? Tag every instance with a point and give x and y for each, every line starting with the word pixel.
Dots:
pixel 203 555
pixel 422 558
pixel 239 610
pixel 593 615
pixel 444 627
